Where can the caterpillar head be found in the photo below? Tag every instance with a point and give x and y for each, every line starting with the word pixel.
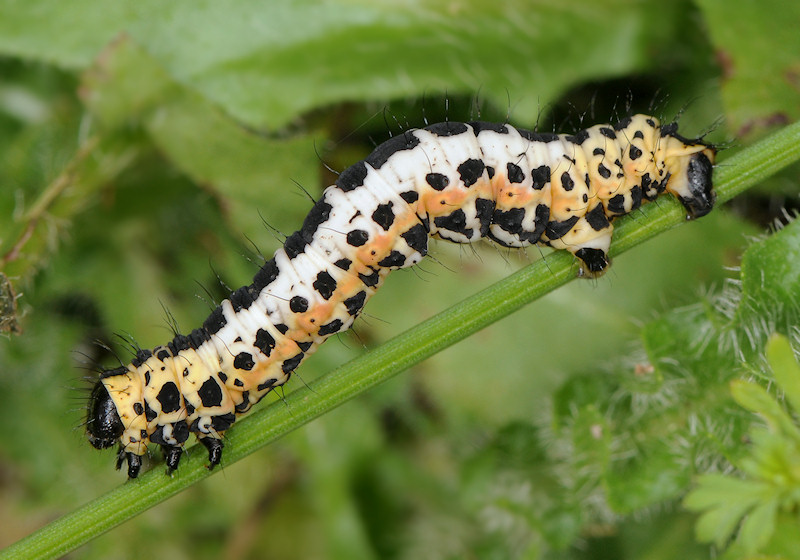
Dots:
pixel 103 424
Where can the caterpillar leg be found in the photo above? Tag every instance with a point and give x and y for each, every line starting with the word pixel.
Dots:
pixel 589 240
pixel 134 462
pixel 214 446
pixel 594 262
pixel 172 437
pixel 172 456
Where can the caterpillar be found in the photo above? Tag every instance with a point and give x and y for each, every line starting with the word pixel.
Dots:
pixel 456 181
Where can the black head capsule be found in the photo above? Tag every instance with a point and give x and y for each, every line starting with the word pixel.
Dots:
pixel 103 426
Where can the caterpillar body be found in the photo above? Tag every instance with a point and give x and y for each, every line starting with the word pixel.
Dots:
pixel 455 181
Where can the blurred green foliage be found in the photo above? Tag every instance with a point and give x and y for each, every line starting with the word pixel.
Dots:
pixel 141 141
pixel 769 493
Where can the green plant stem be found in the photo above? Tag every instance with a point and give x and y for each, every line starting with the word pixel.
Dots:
pixel 305 403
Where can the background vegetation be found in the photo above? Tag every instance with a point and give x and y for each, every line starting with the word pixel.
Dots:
pixel 143 146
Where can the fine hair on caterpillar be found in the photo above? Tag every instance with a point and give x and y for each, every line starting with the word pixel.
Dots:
pixel 456 181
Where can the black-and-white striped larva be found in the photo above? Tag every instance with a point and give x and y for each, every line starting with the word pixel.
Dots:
pixel 455 181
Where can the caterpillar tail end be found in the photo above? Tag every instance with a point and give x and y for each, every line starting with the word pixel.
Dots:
pixel 701 195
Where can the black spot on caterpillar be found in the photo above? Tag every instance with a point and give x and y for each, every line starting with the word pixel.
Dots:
pixel 456 181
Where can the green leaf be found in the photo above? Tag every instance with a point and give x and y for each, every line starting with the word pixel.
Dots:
pixel 591 436
pixel 725 501
pixel 772 465
pixel 759 81
pixel 33 232
pixel 715 489
pixel 759 526
pixel 255 68
pixel 69 34
pixel 754 398
pixel 785 368
pixel 770 276
pixel 253 59
pixel 126 85
pixel 207 145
